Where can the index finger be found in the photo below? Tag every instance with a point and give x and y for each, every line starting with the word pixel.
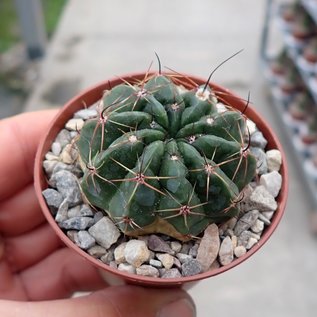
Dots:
pixel 19 138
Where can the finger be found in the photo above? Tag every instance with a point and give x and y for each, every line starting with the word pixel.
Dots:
pixel 20 213
pixel 27 249
pixel 19 140
pixel 60 275
pixel 120 301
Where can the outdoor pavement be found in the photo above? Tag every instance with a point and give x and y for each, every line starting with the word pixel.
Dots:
pixel 99 39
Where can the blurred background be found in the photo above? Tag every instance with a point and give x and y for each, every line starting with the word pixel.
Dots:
pixel 51 50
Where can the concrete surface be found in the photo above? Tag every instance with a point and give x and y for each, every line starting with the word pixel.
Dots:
pixel 100 39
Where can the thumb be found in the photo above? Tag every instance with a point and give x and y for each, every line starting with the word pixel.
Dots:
pixel 121 301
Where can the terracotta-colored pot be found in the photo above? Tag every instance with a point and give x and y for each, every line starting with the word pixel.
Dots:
pixel 92 95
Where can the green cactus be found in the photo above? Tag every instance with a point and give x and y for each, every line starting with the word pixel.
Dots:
pixel 163 159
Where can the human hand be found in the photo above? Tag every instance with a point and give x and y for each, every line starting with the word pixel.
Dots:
pixel 38 274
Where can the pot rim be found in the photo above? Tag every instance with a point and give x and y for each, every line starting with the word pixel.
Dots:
pixel 93 94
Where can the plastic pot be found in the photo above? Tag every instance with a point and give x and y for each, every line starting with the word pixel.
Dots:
pixel 92 95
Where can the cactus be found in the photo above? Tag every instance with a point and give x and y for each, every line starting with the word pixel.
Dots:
pixel 163 159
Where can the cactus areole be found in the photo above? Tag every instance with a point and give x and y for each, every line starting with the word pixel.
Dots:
pixel 163 159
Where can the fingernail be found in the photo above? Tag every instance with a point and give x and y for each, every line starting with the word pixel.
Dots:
pixel 183 307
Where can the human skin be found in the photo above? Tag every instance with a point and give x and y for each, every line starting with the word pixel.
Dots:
pixel 38 274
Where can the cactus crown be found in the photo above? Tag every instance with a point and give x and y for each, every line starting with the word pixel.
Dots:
pixel 161 158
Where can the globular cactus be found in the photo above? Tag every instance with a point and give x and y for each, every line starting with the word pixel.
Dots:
pixel 163 159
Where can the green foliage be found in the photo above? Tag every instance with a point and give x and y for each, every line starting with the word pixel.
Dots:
pixel 162 159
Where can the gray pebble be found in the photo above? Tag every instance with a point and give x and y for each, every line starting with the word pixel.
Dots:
pixel 67 184
pixel 62 213
pixel 262 199
pixel 80 211
pixel 246 221
pixel 244 237
pixel 171 273
pixel 147 270
pixel 108 258
pixel 98 216
pixel 59 166
pixel 258 140
pixel 84 240
pixel 63 138
pixel 186 247
pixel 261 160
pixel 268 214
pixel 49 156
pixel 157 244
pixel 77 223
pixel 97 251
pixel 193 250
pixel 53 198
pixel 105 232
pixel 191 267
pixel 183 257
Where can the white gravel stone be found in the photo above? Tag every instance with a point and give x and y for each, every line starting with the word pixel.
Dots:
pixel 80 211
pixel 136 252
pixel 264 219
pixel 272 182
pixel 69 154
pixel 119 253
pixel 239 251
pixel 226 251
pixel 74 124
pixel 51 157
pixel 147 270
pixel 86 114
pixel 127 268
pixel 176 246
pixel 84 240
pixel 244 237
pixel 268 214
pixel 251 243
pixel 49 167
pixel 56 148
pixel 262 199
pixel 258 226
pixel 246 221
pixel 155 263
pixel 105 232
pixel 251 126
pixel 166 259
pixel 209 247
pixel 274 160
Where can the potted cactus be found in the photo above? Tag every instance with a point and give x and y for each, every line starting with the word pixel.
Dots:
pixel 160 158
